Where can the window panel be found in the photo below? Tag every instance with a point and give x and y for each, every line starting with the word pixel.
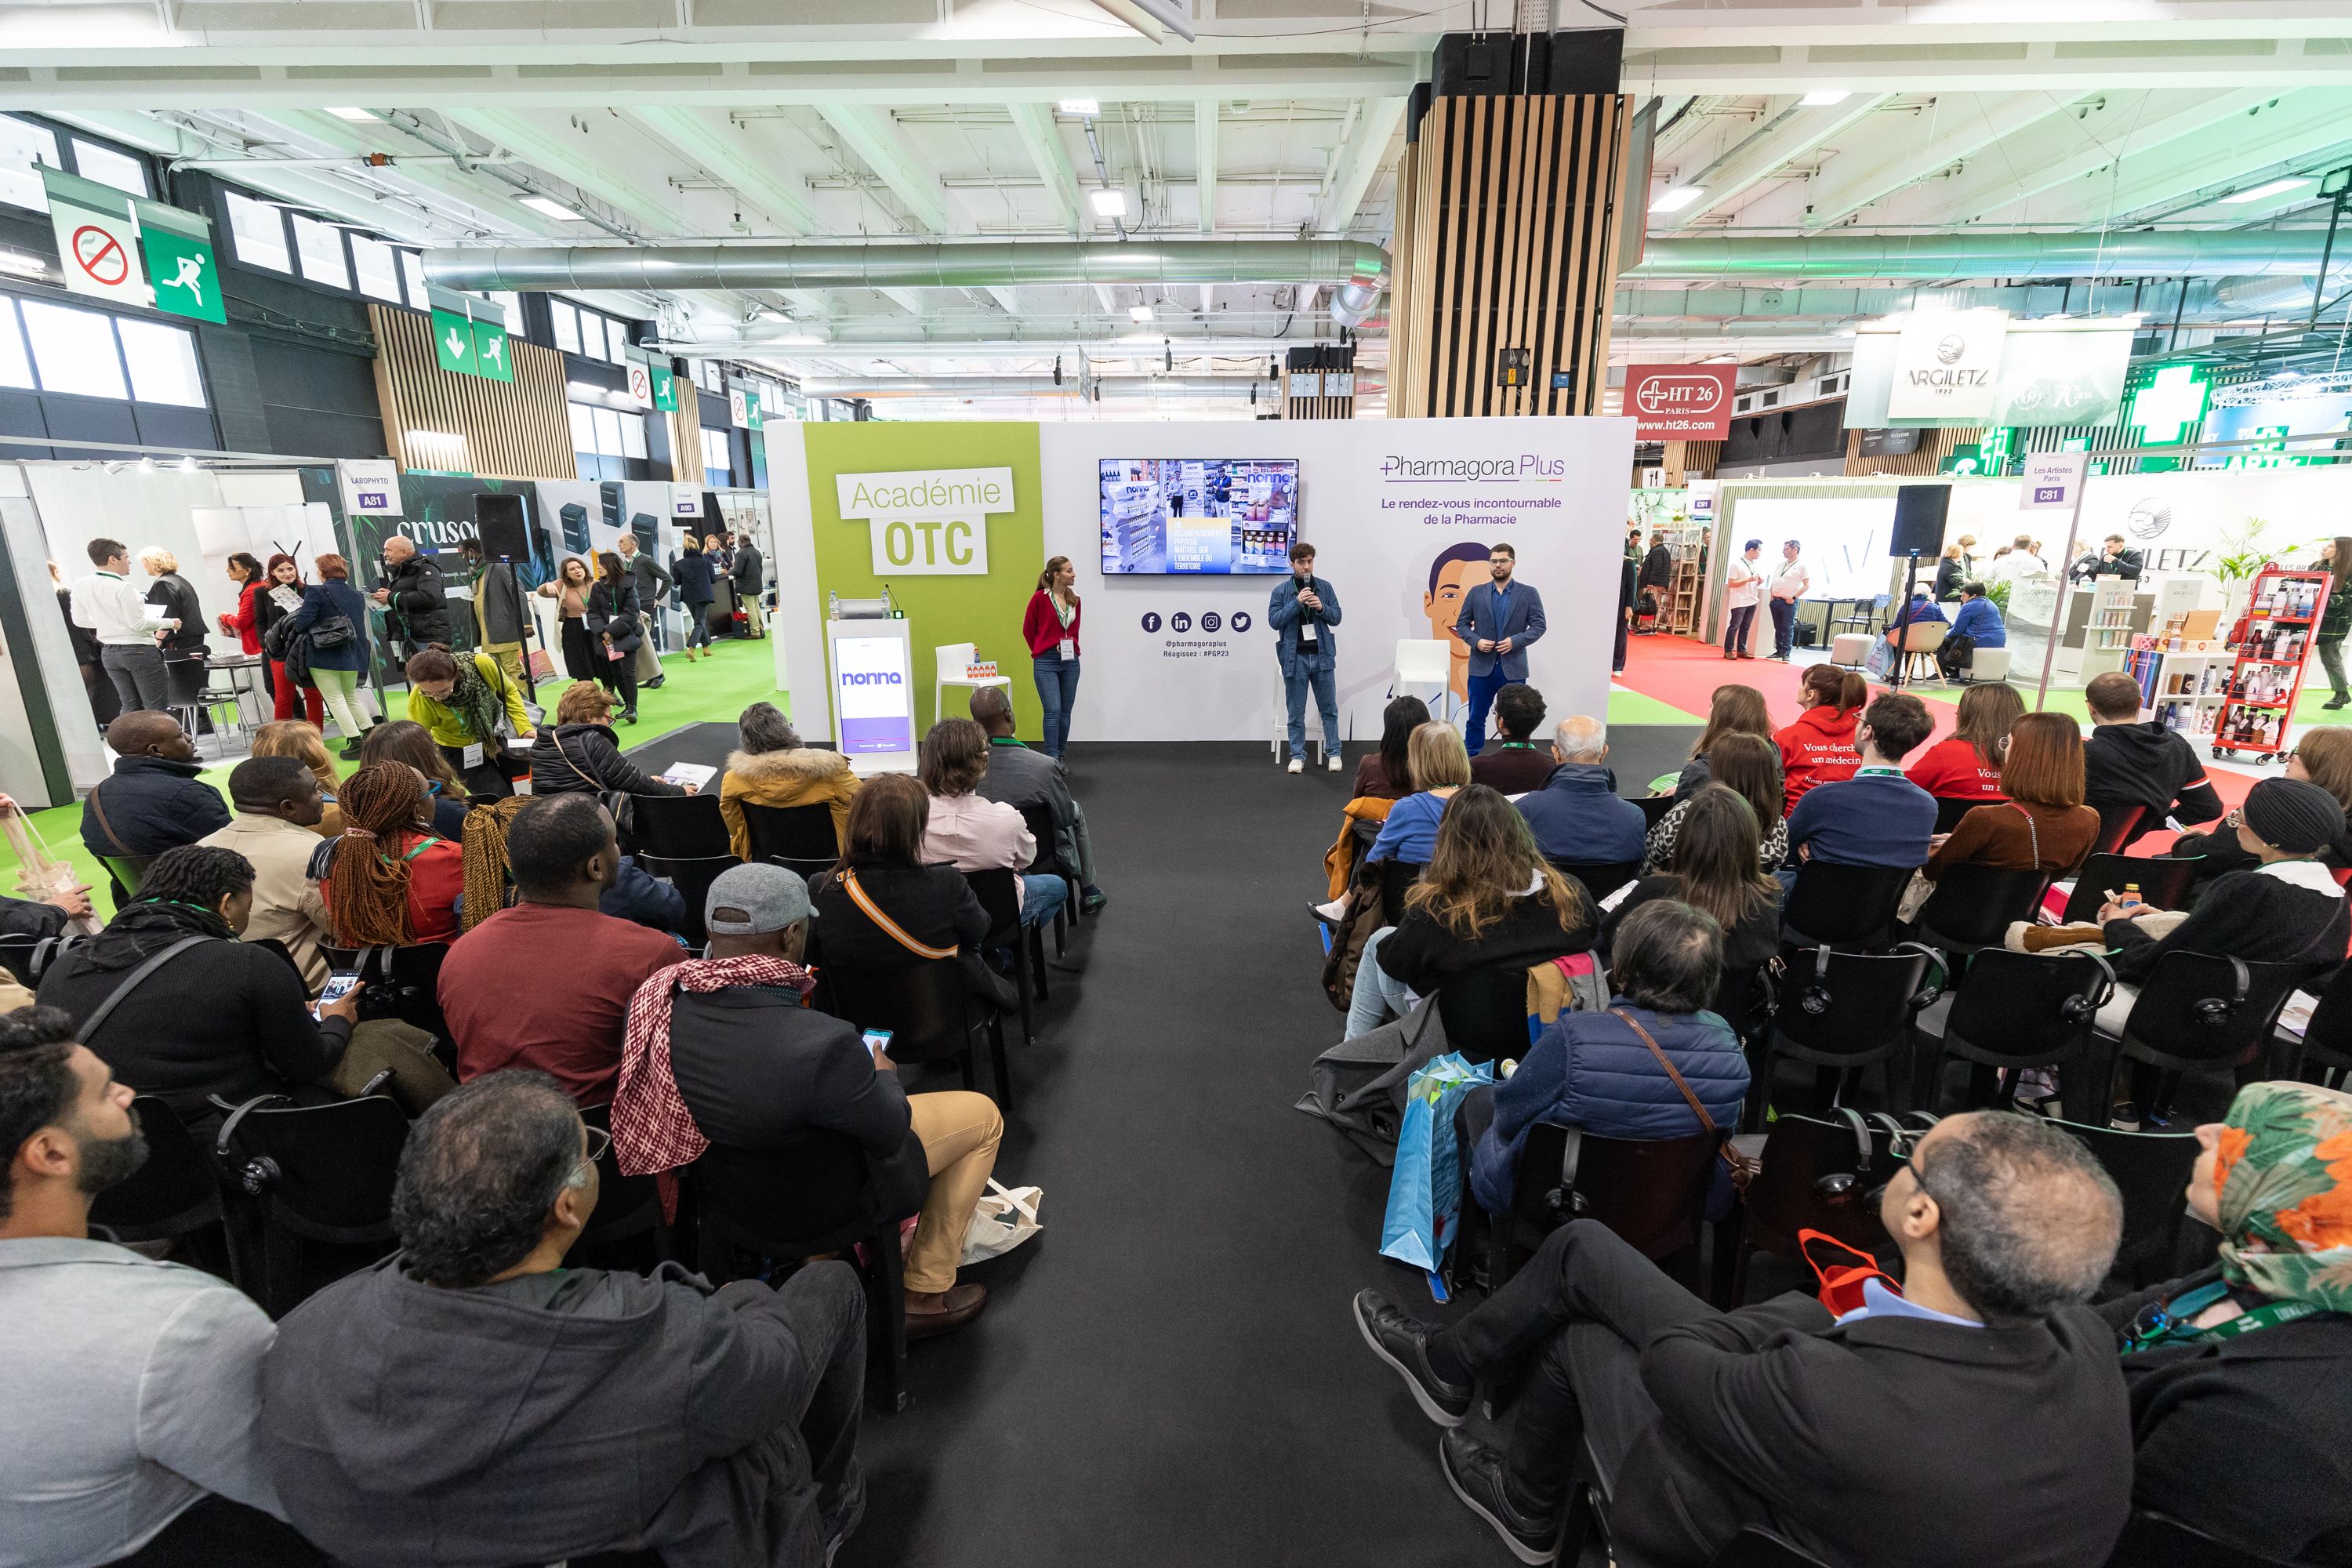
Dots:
pixel 608 432
pixel 24 144
pixel 162 363
pixel 379 273
pixel 74 350
pixel 566 321
pixel 511 303
pixel 320 245
pixel 633 435
pixel 15 364
pixel 259 231
pixel 616 338
pixel 412 273
pixel 109 167
pixel 583 426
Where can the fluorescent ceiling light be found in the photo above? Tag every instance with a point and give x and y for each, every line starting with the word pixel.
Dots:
pixel 1138 313
pixel 1673 198
pixel 1823 97
pixel 360 115
pixel 1108 201
pixel 2275 188
pixel 1081 106
pixel 547 208
pixel 23 265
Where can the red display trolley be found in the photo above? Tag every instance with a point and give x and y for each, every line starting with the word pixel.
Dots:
pixel 2272 639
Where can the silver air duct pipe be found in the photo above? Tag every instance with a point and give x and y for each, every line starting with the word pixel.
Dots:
pixel 1357 271
pixel 2138 254
pixel 998 386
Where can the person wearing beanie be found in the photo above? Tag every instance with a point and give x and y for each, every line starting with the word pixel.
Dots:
pixel 2287 909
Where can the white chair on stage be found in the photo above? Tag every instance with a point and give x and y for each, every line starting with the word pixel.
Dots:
pixel 1424 669
pixel 954 659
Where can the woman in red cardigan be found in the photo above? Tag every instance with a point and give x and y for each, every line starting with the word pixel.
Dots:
pixel 1818 748
pixel 243 623
pixel 1051 629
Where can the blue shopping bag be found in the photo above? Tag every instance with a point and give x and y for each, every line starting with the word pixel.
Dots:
pixel 1426 1188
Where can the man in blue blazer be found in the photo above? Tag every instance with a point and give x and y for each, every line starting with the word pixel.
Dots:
pixel 1302 612
pixel 1499 620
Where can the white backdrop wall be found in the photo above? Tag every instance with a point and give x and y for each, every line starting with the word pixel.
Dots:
pixel 1379 521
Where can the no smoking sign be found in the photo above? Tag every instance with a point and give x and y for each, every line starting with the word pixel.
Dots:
pixel 101 256
pixel 101 253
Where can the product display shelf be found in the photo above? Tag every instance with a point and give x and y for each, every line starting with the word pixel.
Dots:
pixel 1680 611
pixel 2183 689
pixel 2272 640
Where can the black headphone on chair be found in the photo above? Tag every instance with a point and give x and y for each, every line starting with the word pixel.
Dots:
pixel 1842 1188
pixel 2080 1008
pixel 1815 999
pixel 2213 1012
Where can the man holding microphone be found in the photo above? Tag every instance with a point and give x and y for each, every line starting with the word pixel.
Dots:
pixel 1302 612
pixel 1500 620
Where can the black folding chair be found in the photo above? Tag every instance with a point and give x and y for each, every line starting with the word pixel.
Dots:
pixel 1485 1012
pixel 2117 826
pixel 1039 817
pixel 1843 906
pixel 788 1205
pixel 2014 1011
pixel 999 892
pixel 1654 810
pixel 682 839
pixel 27 958
pixel 1845 1011
pixel 2324 1051
pixel 1397 878
pixel 174 1196
pixel 319 1173
pixel 2153 1541
pixel 2151 1170
pixel 1601 878
pixel 1974 906
pixel 2199 1011
pixel 1816 1172
pixel 1651 1192
pixel 930 1013
pixel 627 1231
pixel 1950 809
pixel 797 838
pixel 2164 883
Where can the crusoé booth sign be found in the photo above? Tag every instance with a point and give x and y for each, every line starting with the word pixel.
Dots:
pixel 927 520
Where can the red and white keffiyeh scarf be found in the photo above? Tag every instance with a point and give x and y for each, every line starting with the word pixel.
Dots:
pixel 653 1132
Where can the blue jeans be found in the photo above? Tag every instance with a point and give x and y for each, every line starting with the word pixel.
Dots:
pixel 1319 675
pixel 1736 628
pixel 1377 995
pixel 1041 898
pixel 1784 626
pixel 1481 699
pixel 698 623
pixel 1057 693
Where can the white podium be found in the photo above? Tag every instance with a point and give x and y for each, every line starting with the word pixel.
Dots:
pixel 867 660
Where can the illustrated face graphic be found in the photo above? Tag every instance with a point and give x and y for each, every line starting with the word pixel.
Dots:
pixel 1443 605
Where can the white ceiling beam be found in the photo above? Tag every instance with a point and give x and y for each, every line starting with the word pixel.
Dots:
pixel 2064 148
pixel 1041 137
pixel 1958 126
pixel 1361 158
pixel 907 299
pixel 1006 298
pixel 1793 132
pixel 728 154
pixel 872 134
pixel 576 165
pixel 489 200
pixel 2299 125
pixel 1205 111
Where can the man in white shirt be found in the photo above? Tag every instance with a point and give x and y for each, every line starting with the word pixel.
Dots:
pixel 127 626
pixel 976 835
pixel 1743 584
pixel 133 1385
pixel 1789 586
pixel 2017 560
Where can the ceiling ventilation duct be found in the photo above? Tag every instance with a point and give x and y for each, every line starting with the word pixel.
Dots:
pixel 2138 254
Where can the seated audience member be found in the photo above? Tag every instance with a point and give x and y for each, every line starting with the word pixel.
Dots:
pixel 1488 900
pixel 472 710
pixel 2288 909
pixel 928 911
pixel 1965 765
pixel 1876 818
pixel 1734 710
pixel 635 896
pixel 472 1401
pixel 217 1017
pixel 132 1383
pixel 293 738
pixel 1576 815
pixel 774 769
pixel 1593 1071
pixel 1513 761
pixel 407 740
pixel 1387 774
pixel 390 881
pixel 579 755
pixel 1019 777
pixel 975 833
pixel 2128 763
pixel 720 1050
pixel 546 984
pixel 1819 748
pixel 2322 757
pixel 2043 825
pixel 2247 1436
pixel 1440 766
pixel 1701 1422
pixel 278 812
pixel 1714 867
pixel 1924 612
pixel 1975 624
pixel 152 801
pixel 1749 766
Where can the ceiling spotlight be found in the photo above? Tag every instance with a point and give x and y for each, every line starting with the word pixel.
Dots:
pixel 1108 201
pixel 2264 192
pixel 1823 97
pixel 1084 107
pixel 187 465
pixel 361 116
pixel 1138 313
pixel 1673 198
pixel 769 313
pixel 549 209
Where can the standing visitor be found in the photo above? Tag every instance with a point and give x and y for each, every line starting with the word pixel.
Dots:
pixel 245 570
pixel 105 703
pixel 1657 570
pixel 615 631
pixel 2115 557
pixel 1743 585
pixel 569 591
pixel 1302 611
pixel 1050 627
pixel 187 648
pixel 1789 583
pixel 1628 591
pixel 2335 620
pixel 127 628
pixel 289 690
pixel 1500 620
pixel 333 618
pixel 501 616
pixel 652 584
pixel 1949 574
pixel 414 599
pixel 472 710
pixel 696 576
pixel 750 577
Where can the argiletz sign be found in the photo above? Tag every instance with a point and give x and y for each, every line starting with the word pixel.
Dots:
pixel 927 520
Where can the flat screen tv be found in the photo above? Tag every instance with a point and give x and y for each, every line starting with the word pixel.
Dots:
pixel 1198 516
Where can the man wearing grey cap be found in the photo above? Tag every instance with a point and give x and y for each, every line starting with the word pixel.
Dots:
pixel 721 1050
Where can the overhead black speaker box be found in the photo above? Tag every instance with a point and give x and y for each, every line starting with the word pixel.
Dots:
pixel 1493 65
pixel 1919 513
pixel 500 520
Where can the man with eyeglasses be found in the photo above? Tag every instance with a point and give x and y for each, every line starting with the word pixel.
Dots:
pixel 1975 1417
pixel 471 1400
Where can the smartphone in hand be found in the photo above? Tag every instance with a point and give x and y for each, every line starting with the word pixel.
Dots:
pixel 339 984
pixel 878 1041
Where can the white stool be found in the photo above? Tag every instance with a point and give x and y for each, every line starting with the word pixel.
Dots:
pixel 1989 664
pixel 1425 662
pixel 1849 649
pixel 954 659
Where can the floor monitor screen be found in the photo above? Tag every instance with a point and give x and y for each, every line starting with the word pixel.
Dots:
pixel 1199 516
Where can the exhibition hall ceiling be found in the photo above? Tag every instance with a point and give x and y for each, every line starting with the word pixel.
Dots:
pixel 894 121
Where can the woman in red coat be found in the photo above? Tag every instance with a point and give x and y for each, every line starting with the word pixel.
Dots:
pixel 1818 748
pixel 243 623
pixel 1051 629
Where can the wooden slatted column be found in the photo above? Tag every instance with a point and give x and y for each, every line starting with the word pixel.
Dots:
pixel 1320 382
pixel 436 420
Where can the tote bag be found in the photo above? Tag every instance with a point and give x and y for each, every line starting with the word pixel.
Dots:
pixel 1426 1188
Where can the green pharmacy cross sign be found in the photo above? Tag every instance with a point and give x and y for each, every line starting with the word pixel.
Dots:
pixel 469 347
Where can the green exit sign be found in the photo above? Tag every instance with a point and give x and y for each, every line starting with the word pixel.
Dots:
pixel 465 345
